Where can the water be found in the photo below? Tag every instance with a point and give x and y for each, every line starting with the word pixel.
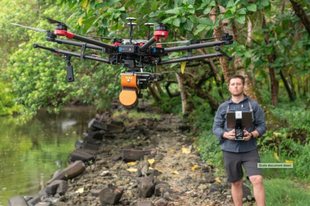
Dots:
pixel 29 152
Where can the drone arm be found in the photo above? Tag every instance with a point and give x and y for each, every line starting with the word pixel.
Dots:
pixel 74 43
pixel 148 43
pixel 190 58
pixel 81 38
pixel 67 53
pixel 195 46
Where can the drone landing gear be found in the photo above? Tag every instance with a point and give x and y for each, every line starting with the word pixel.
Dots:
pixel 69 68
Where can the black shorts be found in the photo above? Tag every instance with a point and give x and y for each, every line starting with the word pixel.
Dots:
pixel 234 161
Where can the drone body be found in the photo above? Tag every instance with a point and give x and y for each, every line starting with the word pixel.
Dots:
pixel 135 55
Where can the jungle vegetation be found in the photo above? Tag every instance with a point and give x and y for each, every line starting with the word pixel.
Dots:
pixel 271 48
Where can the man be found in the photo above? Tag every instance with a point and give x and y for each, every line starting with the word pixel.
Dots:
pixel 241 152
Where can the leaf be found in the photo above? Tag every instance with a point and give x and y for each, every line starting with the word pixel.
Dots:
pixel 217 180
pixel 84 3
pixel 264 3
pixel 207 10
pixel 80 21
pixel 183 65
pixel 176 22
pixel 194 167
pixel 275 155
pixel 131 163
pixel 80 191
pixel 132 169
pixel 186 150
pixel 174 172
pixel 173 11
pixel 151 161
pixel 206 21
pixel 289 161
pixel 240 19
pixel 252 7
pixel 200 27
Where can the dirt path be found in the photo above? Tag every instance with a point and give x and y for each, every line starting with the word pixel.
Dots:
pixel 144 160
pixel 171 159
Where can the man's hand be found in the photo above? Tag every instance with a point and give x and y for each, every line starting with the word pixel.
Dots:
pixel 230 135
pixel 247 135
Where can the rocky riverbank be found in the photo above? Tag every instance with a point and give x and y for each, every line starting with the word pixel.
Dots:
pixel 140 161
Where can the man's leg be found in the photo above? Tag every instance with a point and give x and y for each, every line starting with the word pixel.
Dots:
pixel 259 190
pixel 236 192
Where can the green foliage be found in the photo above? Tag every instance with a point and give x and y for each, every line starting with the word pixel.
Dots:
pixel 170 105
pixel 283 192
pixel 7 103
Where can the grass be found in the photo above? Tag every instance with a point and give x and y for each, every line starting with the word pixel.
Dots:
pixel 283 192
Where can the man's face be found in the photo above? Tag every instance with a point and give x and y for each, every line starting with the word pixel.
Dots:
pixel 235 87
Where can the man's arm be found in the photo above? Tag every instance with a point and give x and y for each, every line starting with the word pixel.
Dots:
pixel 259 123
pixel 218 125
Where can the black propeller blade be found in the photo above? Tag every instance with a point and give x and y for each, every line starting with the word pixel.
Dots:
pixel 28 27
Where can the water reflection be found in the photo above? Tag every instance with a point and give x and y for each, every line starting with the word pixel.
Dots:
pixel 29 152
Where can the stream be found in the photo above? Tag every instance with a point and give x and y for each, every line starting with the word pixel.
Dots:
pixel 33 151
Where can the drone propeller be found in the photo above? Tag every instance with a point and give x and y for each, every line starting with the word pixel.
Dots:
pixel 28 27
pixel 190 41
pixel 53 21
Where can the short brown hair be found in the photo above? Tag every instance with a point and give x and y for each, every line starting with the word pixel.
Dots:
pixel 237 76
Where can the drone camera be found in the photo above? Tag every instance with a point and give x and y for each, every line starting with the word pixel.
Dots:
pixel 129 94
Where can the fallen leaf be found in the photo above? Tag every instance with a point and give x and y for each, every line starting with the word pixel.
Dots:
pixel 217 180
pixel 174 172
pixel 131 163
pixel 194 167
pixel 81 190
pixel 132 169
pixel 171 150
pixel 151 161
pixel 186 150
pixel 289 161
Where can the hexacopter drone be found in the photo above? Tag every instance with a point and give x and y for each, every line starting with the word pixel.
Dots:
pixel 135 55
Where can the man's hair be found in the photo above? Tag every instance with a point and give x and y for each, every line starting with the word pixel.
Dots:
pixel 237 76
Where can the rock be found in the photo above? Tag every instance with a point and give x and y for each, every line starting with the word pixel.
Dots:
pixel 17 201
pixel 246 192
pixel 216 186
pixel 90 146
pixel 82 155
pixel 95 192
pixel 78 144
pixel 95 125
pixel 145 203
pixel 110 195
pixel 57 187
pixel 43 204
pixel 95 135
pixel 161 188
pixel 70 172
pixel 209 177
pixel 36 199
pixel 145 186
pixel 161 202
pixel 131 155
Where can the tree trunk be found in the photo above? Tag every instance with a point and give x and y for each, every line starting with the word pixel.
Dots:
pixel 272 73
pixel 153 93
pixel 287 87
pixel 301 14
pixel 182 91
pixel 219 31
pixel 273 81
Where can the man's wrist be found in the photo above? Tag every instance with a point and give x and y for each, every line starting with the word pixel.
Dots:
pixel 252 136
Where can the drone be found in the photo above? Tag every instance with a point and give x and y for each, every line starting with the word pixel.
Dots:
pixel 134 55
